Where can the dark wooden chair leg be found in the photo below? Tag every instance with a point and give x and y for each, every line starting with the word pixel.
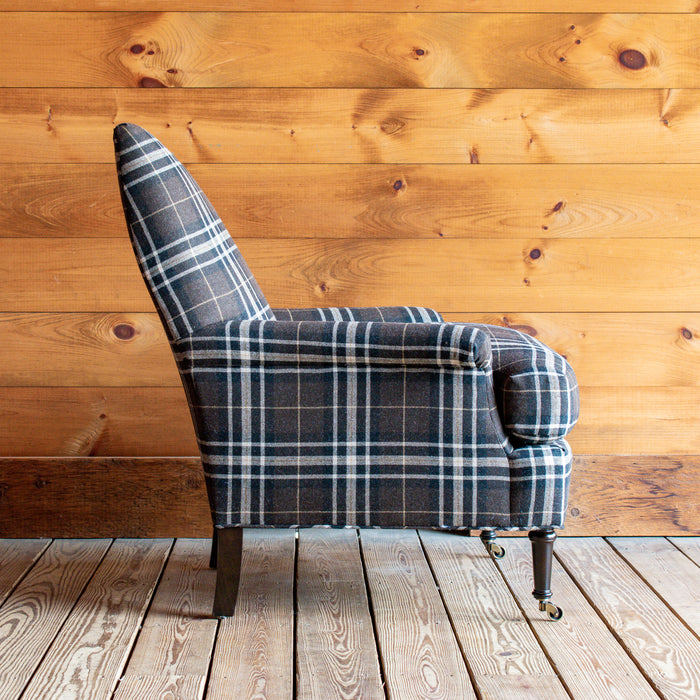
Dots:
pixel 542 550
pixel 214 547
pixel 228 554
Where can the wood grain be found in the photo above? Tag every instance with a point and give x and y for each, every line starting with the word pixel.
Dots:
pixel 66 498
pixel 17 556
pixel 503 655
pixel 661 349
pixel 38 608
pixel 377 201
pixel 336 650
pixel 615 495
pixel 587 657
pixel 174 647
pixel 688 6
pixel 91 649
pixel 254 655
pixel 672 575
pixel 398 126
pixel 476 274
pixel 349 49
pixel 85 350
pixel 667 652
pixel 155 421
pixel 690 546
pixel 419 653
pixel 80 422
pixel 632 495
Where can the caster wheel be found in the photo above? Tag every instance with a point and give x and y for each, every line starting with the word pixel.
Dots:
pixel 496 551
pixel 554 611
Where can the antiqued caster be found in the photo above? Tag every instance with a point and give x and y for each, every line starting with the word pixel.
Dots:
pixel 554 612
pixel 488 537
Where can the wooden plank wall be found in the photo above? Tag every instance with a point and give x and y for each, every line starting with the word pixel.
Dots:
pixel 537 166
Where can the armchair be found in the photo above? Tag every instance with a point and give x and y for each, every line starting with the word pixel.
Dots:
pixel 377 417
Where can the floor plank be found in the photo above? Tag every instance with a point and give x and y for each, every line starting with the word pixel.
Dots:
pixel 667 652
pixel 690 546
pixel 419 652
pixel 254 655
pixel 586 655
pixel 673 576
pixel 336 650
pixel 17 556
pixel 173 652
pixel 90 651
pixel 503 654
pixel 34 613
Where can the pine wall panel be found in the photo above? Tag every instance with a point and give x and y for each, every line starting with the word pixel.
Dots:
pixel 537 167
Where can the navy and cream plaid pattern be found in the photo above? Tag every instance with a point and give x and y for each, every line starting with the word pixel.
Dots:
pixel 366 417
pixel 193 269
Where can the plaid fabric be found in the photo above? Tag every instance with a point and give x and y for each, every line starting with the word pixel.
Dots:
pixel 192 268
pixel 347 423
pixel 536 389
pixel 392 314
pixel 384 416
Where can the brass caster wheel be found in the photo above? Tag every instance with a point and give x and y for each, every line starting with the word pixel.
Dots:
pixel 554 612
pixel 495 550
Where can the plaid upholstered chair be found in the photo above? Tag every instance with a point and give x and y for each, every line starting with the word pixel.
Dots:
pixel 384 417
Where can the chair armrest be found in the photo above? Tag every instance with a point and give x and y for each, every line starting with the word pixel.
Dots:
pixel 392 314
pixel 296 343
pixel 536 390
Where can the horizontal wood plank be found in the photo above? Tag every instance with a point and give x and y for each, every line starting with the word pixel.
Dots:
pixel 85 350
pixel 427 50
pixel 475 274
pixel 688 6
pixel 359 125
pixel 147 498
pixel 377 201
pixel 155 421
pixel 94 349
pixel 610 495
pixel 634 495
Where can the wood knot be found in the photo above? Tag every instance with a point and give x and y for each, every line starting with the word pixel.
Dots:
pixel 124 331
pixel 632 59
pixel 391 125
pixel 687 333
pixel 535 253
pixel 137 48
pixel 398 185
pixel 575 512
pixel 419 52
pixel 148 82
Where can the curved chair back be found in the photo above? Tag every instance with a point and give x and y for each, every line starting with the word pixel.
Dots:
pixel 193 269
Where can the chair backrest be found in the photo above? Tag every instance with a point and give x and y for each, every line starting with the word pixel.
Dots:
pixel 193 269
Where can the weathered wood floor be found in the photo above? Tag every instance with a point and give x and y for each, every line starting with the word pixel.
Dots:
pixel 397 614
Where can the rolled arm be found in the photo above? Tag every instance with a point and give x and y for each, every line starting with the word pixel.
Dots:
pixel 536 389
pixel 392 314
pixel 340 342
